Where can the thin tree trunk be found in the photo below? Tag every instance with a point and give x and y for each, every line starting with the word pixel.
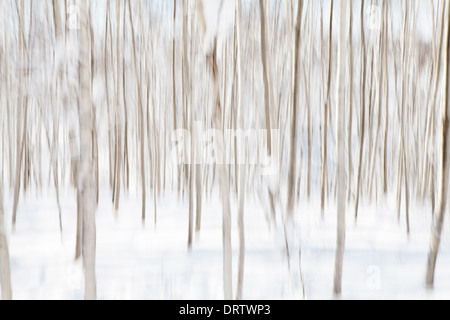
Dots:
pixel 340 169
pixel 5 269
pixel 293 154
pixel 325 115
pixel 386 108
pixel 444 158
pixel 118 120
pixel 363 113
pixel 241 155
pixel 267 95
pixel 21 104
pixel 141 114
pixel 350 106
pixel 87 179
pixel 223 181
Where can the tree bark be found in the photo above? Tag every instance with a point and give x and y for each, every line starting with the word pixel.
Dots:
pixel 267 95
pixel 5 271
pixel 223 181
pixel 350 106
pixel 86 182
pixel 340 169
pixel 293 154
pixel 444 158
pixel 241 155
pixel 325 115
pixel 140 115
pixel 363 112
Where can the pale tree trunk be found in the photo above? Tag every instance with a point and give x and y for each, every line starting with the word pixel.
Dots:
pixel 267 96
pixel 223 176
pixel 174 97
pixel 386 87
pixel 5 271
pixel 140 115
pixel 324 179
pixel 57 20
pixel 293 154
pixel 363 112
pixel 86 180
pixel 308 106
pixel 118 120
pixel 443 165
pixel 340 169
pixel 241 154
pixel 21 105
pixel 187 113
pixel 350 106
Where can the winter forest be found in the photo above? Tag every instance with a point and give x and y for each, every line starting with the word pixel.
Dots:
pixel 224 149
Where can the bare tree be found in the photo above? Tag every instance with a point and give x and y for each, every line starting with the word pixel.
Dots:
pixel 267 96
pixel 326 106
pixel 86 180
pixel 241 153
pixel 217 117
pixel 5 271
pixel 363 111
pixel 340 169
pixel 293 155
pixel 444 158
pixel 140 114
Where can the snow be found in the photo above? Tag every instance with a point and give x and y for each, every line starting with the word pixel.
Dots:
pixel 136 262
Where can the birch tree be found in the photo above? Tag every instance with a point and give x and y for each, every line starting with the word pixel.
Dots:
pixel 444 159
pixel 5 271
pixel 267 96
pixel 340 169
pixel 363 111
pixel 326 106
pixel 293 149
pixel 217 114
pixel 241 155
pixel 86 179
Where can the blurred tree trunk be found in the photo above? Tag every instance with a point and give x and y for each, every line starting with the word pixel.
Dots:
pixel 22 104
pixel 363 112
pixel 5 271
pixel 340 169
pixel 350 105
pixel 86 164
pixel 241 154
pixel 444 158
pixel 140 114
pixel 267 95
pixel 224 184
pixel 293 152
pixel 327 104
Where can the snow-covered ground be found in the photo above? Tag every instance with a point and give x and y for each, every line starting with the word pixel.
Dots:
pixel 136 262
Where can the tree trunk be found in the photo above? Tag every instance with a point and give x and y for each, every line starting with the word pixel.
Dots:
pixel 293 154
pixel 86 180
pixel 267 95
pixel 363 113
pixel 224 184
pixel 340 169
pixel 325 115
pixel 443 165
pixel 350 106
pixel 140 115
pixel 5 271
pixel 241 155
